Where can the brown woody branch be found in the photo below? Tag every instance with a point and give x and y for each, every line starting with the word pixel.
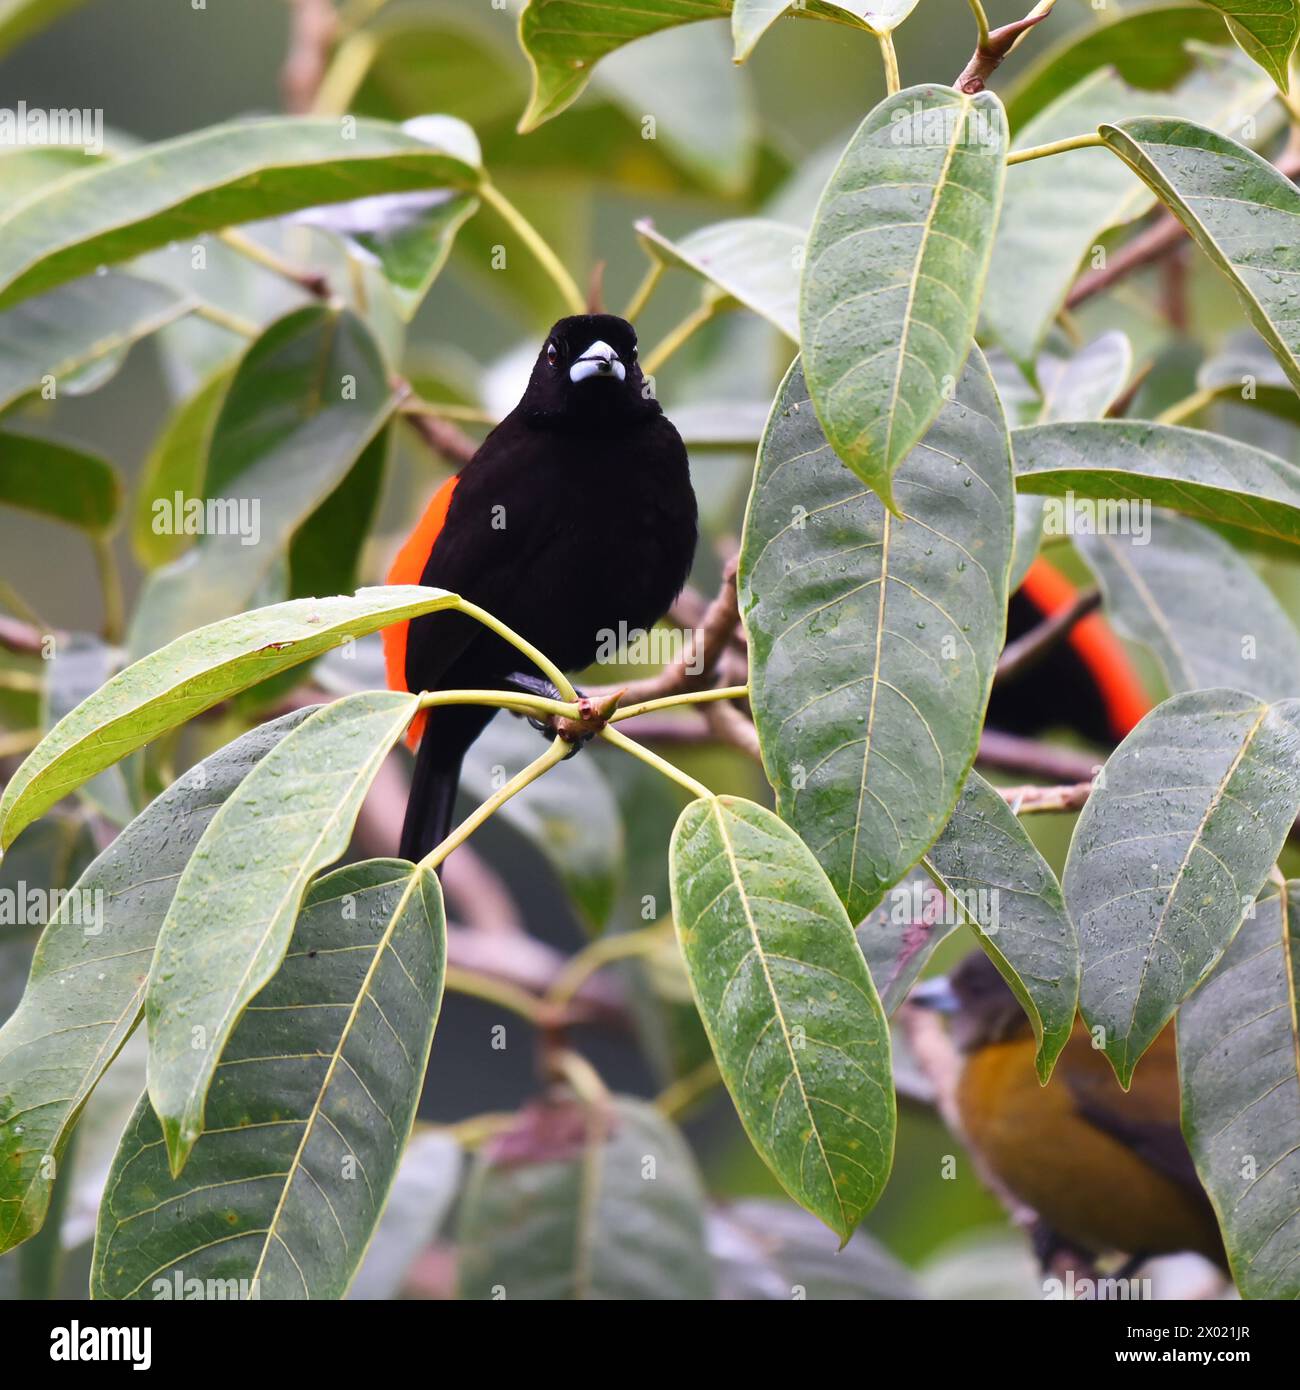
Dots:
pixel 1026 652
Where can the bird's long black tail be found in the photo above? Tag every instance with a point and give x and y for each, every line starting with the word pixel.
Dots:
pixel 432 802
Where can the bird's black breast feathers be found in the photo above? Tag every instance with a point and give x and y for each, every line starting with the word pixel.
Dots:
pixel 566 535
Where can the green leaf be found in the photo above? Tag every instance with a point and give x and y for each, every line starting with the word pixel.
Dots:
pixel 1267 30
pixel 754 261
pixel 1152 47
pixel 750 20
pixel 1057 209
pixel 895 269
pixel 20 19
pixel 46 342
pixel 577 1203
pixel 1007 893
pixel 310 1110
pixel 1156 588
pixel 1238 1051
pixel 564 39
pixel 1171 850
pixel 58 482
pixel 176 464
pixel 570 815
pixel 785 995
pixel 25 168
pixel 308 398
pixel 1241 212
pixel 1190 471
pixel 216 178
pixel 229 924
pixel 195 672
pixel 79 665
pixel 873 640
pixel 87 983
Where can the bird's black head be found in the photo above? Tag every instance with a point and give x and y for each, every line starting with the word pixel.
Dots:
pixel 587 376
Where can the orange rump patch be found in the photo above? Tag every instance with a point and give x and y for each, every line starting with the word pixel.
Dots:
pixel 1122 692
pixel 408 569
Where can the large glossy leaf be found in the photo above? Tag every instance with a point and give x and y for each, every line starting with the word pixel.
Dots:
pixel 229 924
pixel 1057 209
pixel 570 815
pixel 1267 30
pixel 216 178
pixel 1191 471
pixel 20 19
pixel 310 1110
pixel 753 260
pixel 1239 1059
pixel 1171 850
pixel 176 463
pixel 194 673
pixel 751 19
pixel 1156 593
pixel 789 1006
pixel 87 986
pixel 44 344
pixel 1086 385
pixel 873 639
pixel 565 39
pixel 585 1203
pixel 1007 893
pixel 58 482
pixel 307 399
pixel 895 269
pixel 1242 213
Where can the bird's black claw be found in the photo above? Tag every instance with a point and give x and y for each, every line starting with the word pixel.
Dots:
pixel 544 689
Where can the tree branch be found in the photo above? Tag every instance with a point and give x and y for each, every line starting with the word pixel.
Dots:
pixel 1026 652
pixel 313 27
pixel 990 55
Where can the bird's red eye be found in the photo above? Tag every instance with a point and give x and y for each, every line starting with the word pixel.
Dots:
pixel 552 353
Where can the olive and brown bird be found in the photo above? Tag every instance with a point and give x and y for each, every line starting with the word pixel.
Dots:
pixel 575 520
pixel 1106 1170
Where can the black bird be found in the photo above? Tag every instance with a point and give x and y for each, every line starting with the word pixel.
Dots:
pixel 575 516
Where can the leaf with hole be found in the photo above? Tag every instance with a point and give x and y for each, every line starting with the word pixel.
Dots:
pixel 894 271
pixel 792 1015
pixel 310 1109
pixel 1171 850
pixel 873 640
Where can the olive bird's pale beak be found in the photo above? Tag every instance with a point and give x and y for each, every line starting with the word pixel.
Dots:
pixel 599 360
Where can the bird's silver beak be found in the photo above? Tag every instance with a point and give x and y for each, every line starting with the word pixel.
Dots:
pixel 935 993
pixel 599 360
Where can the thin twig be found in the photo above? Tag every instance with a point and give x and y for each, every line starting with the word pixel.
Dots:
pixel 1026 652
pixel 1011 753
